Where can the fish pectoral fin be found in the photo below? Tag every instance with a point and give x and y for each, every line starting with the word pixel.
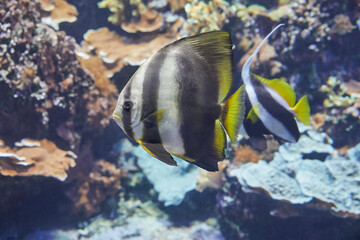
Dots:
pixel 252 116
pixel 256 109
pixel 158 151
pixel 233 111
pixel 215 153
pixel 302 110
pixel 154 118
pixel 281 87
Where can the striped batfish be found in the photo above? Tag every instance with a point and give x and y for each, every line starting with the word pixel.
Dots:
pixel 273 105
pixel 177 102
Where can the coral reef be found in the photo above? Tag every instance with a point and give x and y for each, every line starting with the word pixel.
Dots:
pixel 133 15
pixel 35 158
pixel 305 177
pixel 90 188
pixel 59 11
pixel 33 82
pixel 244 154
pixel 150 228
pixel 342 108
pixel 211 179
pixel 45 93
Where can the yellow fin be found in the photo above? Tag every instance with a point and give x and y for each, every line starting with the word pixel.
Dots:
pixel 216 48
pixel 233 110
pixel 281 87
pixel 220 141
pixel 157 150
pixel 252 116
pixel 302 110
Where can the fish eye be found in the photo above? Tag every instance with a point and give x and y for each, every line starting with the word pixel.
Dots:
pixel 127 105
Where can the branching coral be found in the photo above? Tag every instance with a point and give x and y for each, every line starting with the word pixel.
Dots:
pixel 35 158
pixel 133 15
pixel 42 82
pixel 339 97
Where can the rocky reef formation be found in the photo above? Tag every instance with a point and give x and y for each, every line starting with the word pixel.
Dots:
pixel 51 112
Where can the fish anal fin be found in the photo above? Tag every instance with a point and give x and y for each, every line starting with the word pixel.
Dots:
pixel 215 153
pixel 216 48
pixel 281 87
pixel 209 164
pixel 233 111
pixel 302 110
pixel 157 150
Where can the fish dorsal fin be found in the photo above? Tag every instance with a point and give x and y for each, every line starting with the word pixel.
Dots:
pixel 233 113
pixel 157 150
pixel 302 110
pixel 245 72
pixel 215 152
pixel 216 48
pixel 281 87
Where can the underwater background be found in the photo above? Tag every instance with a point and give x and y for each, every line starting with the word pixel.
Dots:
pixel 67 171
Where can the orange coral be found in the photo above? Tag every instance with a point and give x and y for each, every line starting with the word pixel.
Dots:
pixel 103 181
pixel 244 154
pixel 150 21
pixel 113 52
pixel 211 179
pixel 176 5
pixel 32 158
pixel 318 120
pixel 60 11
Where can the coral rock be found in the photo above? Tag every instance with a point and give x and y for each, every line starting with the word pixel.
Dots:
pixel 40 158
pixel 117 52
pixel 150 21
pixel 60 11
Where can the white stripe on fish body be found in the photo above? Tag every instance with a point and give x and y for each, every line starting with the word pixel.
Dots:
pixel 168 99
pixel 279 99
pixel 274 125
pixel 137 94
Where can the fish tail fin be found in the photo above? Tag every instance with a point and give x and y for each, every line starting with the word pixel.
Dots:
pixel 233 111
pixel 302 110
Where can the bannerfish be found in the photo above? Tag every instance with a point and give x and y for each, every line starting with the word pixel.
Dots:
pixel 273 109
pixel 177 102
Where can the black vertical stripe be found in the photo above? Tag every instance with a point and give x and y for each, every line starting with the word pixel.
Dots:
pixel 150 97
pixel 276 110
pixel 126 114
pixel 198 107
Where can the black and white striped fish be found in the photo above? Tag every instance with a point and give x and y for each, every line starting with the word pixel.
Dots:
pixel 176 102
pixel 272 105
